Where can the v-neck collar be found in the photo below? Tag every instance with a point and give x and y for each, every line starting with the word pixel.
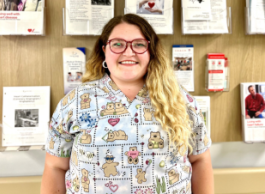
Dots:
pixel 142 95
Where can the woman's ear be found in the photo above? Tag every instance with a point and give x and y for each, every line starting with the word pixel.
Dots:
pixel 103 48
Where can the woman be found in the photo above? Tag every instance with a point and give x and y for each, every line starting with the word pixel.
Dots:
pixel 128 128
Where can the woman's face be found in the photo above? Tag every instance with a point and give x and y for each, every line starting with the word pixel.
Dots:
pixel 116 63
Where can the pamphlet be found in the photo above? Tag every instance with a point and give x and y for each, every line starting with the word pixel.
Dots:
pixel 216 23
pixel 159 13
pixel 74 61
pixel 204 104
pixel 196 9
pixel 87 17
pixel 25 17
pixel 26 113
pixel 253 111
pixel 256 16
pixel 183 64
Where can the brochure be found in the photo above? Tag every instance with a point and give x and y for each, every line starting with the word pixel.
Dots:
pixel 87 17
pixel 218 23
pixel 196 9
pixel 253 111
pixel 159 13
pixel 183 64
pixel 204 104
pixel 74 61
pixel 256 16
pixel 25 17
pixel 26 113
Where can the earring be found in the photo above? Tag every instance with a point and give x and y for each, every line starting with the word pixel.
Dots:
pixel 104 63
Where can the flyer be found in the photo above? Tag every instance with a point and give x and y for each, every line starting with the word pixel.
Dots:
pixel 25 17
pixel 196 9
pixel 87 17
pixel 253 111
pixel 204 104
pixel 256 16
pixel 74 61
pixel 183 64
pixel 159 13
pixel 26 113
pixel 218 24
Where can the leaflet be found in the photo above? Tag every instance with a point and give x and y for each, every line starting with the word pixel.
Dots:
pixel 196 9
pixel 159 13
pixel 26 113
pixel 183 64
pixel 74 61
pixel 87 17
pixel 217 24
pixel 204 104
pixel 253 111
pixel 256 16
pixel 22 17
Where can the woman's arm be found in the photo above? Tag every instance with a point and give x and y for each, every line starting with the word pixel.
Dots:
pixel 202 173
pixel 53 178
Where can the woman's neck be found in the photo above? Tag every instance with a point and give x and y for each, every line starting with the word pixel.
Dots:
pixel 129 88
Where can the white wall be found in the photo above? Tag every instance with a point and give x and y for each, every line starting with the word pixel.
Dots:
pixel 224 155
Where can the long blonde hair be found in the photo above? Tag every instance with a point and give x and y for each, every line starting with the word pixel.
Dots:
pixel 164 91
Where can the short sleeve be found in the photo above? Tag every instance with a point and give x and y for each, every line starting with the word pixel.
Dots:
pixel 201 136
pixel 59 141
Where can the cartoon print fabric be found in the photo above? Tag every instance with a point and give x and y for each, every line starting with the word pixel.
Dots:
pixel 117 146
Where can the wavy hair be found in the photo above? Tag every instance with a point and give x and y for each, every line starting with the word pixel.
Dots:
pixel 164 92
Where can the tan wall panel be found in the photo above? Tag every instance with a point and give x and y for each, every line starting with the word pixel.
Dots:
pixel 37 61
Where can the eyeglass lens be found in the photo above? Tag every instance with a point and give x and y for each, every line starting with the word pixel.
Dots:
pixel 138 46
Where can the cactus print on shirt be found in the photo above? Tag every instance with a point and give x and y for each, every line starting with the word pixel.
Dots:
pixel 117 146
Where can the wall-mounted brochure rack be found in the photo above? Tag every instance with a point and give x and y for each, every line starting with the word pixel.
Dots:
pixel 221 23
pixel 88 19
pixel 255 24
pixel 217 73
pixel 23 22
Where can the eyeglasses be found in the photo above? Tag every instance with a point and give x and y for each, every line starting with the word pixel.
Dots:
pixel 138 46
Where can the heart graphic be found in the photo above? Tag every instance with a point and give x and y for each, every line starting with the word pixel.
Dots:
pixel 107 184
pixel 151 4
pixel 113 188
pixel 189 98
pixel 114 122
pixel 30 30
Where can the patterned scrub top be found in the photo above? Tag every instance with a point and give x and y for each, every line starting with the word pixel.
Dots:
pixel 117 146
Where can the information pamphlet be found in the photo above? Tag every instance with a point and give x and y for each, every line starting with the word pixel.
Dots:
pixel 159 13
pixel 216 23
pixel 196 10
pixel 25 17
pixel 253 111
pixel 87 17
pixel 204 104
pixel 256 16
pixel 183 65
pixel 74 61
pixel 26 113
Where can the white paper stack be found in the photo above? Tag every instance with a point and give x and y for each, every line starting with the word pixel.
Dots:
pixel 255 16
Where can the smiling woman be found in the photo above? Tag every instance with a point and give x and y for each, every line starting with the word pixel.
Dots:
pixel 138 122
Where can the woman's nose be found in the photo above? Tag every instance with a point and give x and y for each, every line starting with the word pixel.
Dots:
pixel 128 51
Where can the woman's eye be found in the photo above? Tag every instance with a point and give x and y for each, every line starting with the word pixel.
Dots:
pixel 118 44
pixel 139 45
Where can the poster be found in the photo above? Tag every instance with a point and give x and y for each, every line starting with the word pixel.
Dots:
pixel 159 13
pixel 25 17
pixel 26 113
pixel 74 61
pixel 183 65
pixel 87 17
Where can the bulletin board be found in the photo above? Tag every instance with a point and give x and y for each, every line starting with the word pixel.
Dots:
pixel 38 61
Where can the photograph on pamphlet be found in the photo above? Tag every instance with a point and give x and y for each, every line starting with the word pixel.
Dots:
pixel 26 117
pixel 21 5
pixel 101 2
pixel 152 7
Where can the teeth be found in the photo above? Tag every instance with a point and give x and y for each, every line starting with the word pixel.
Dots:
pixel 128 62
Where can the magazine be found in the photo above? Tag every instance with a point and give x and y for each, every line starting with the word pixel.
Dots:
pixel 25 17
pixel 87 17
pixel 26 113
pixel 159 13
pixel 253 111
pixel 74 61
pixel 183 64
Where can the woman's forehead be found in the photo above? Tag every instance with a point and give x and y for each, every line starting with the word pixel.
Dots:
pixel 126 31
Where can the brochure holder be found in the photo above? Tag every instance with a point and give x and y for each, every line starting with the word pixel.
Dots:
pixel 85 29
pixel 23 22
pixel 250 22
pixel 225 81
pixel 206 24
